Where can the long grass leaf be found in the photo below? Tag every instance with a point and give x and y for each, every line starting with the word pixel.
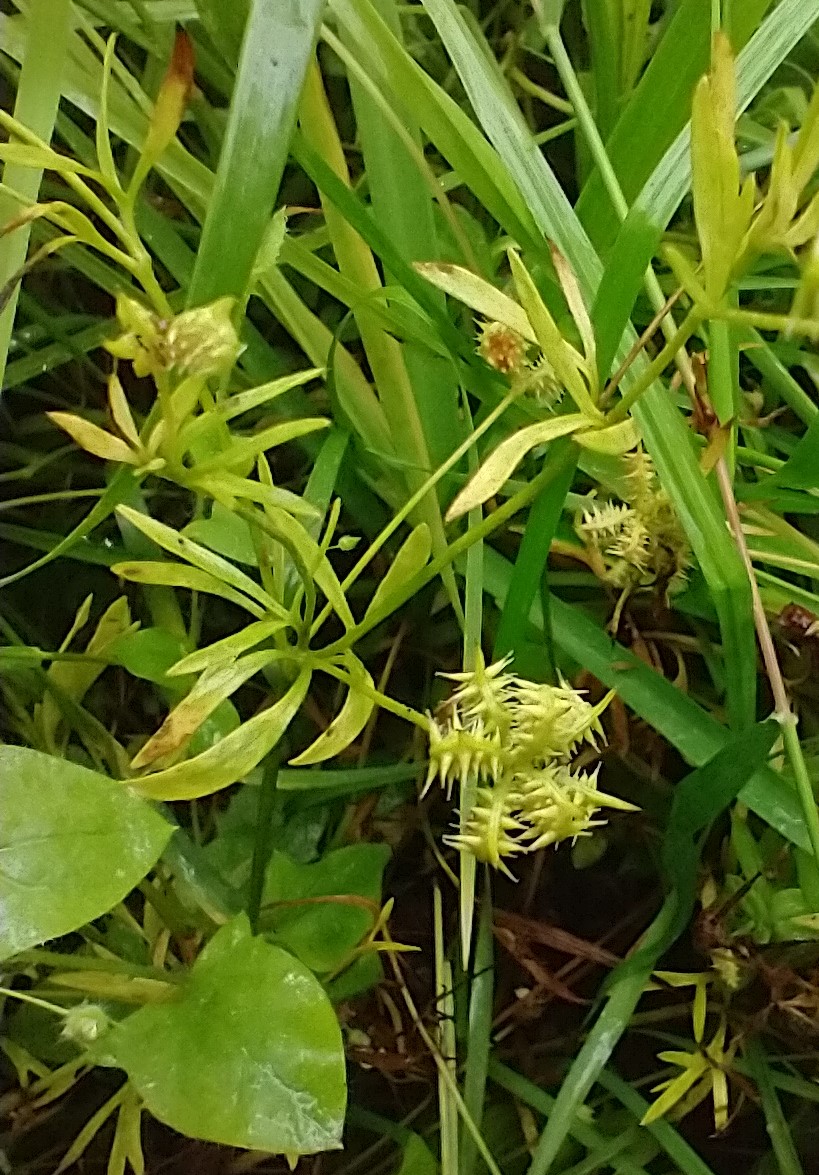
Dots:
pixel 278 43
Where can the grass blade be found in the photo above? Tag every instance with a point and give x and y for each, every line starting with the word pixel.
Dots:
pixel 278 43
pixel 38 96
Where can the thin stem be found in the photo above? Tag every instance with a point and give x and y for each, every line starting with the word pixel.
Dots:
pixel 782 706
pixel 262 844
pixel 410 505
pixel 441 1064
pixel 453 552
pixel 669 354
pixel 26 998
pixel 479 1037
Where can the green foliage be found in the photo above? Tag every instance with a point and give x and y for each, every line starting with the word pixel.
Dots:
pixel 269 289
pixel 323 935
pixel 214 1062
pixel 73 842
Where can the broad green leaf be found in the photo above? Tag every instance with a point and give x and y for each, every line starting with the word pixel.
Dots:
pixel 225 534
pixel 502 463
pixel 322 934
pixel 479 295
pixel 176 544
pixel 228 648
pixel 216 684
pixel 149 653
pixel 72 845
pixel 248 1055
pixel 181 575
pixel 93 439
pixel 411 557
pixel 348 723
pixel 231 759
pixel 417 1158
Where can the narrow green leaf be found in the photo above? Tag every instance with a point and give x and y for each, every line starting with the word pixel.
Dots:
pixel 216 684
pixel 159 574
pixel 347 724
pixel 214 565
pixel 278 43
pixel 228 648
pixel 412 555
pixel 530 564
pixel 232 758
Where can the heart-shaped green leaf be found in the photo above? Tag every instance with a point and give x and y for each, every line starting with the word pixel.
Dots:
pixel 249 1054
pixel 72 845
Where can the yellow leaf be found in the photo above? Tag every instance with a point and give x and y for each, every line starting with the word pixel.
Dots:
pixel 615 440
pixel 121 411
pixel 348 723
pixel 232 758
pixel 576 304
pixel 215 685
pixel 503 462
pixel 479 295
pixel 169 108
pixel 567 363
pixel 93 439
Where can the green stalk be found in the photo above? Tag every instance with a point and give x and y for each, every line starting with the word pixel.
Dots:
pixel 38 96
pixel 453 552
pixel 262 844
pixel 779 1132
pixel 384 353
pixel 479 1034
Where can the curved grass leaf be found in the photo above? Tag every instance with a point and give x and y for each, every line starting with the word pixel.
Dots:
pixel 412 555
pixel 503 461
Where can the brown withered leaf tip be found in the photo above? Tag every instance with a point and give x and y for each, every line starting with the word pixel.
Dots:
pixel 182 62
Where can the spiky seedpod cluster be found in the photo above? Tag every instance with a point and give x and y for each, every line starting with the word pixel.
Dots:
pixel 509 743
pixel 637 542
pixel 510 354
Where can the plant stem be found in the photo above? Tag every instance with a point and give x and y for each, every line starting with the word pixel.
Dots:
pixel 479 1037
pixel 262 843
pixel 461 545
pixel 408 507
pixel 669 354
pixel 782 707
